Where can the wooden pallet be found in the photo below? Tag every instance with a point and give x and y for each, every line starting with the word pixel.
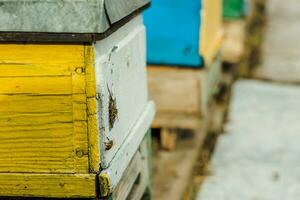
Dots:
pixel 183 98
pixel 173 171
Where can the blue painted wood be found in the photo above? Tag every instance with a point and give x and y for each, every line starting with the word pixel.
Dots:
pixel 173 32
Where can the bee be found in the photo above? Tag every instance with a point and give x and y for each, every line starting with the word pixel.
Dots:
pixel 108 145
pixel 112 108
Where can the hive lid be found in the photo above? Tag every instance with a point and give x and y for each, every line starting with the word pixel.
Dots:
pixel 64 16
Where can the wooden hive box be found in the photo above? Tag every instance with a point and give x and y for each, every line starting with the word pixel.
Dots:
pixel 73 114
pixel 183 34
pixel 184 68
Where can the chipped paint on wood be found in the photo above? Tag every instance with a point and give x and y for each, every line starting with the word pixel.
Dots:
pixel 43 109
pixel 121 85
pixel 92 111
pixel 48 185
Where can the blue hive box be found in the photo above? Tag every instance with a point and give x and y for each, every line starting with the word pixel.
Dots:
pixel 173 32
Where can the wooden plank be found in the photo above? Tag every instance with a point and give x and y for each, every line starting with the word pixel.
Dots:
pixel 39 148
pixel 92 111
pixel 177 120
pixel 46 185
pixel 234 43
pixel 172 171
pixel 129 147
pixel 135 178
pixel 129 178
pixel 20 69
pixel 182 95
pixel 36 85
pixel 35 54
pixel 122 86
pixel 23 103
pixel 43 109
pixel 171 89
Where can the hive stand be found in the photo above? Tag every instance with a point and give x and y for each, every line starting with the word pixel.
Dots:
pixel 184 99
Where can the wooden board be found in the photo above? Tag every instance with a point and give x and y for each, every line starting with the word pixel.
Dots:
pixel 47 185
pixel 43 109
pixel 234 43
pixel 182 95
pixel 172 171
pixel 120 67
pixel 167 43
pixel 136 178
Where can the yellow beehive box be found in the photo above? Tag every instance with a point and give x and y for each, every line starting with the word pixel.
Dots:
pixel 72 114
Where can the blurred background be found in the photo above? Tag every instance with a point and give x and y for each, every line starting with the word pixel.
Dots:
pixel 225 78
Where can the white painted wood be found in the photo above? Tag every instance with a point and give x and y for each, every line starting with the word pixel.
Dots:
pixel 129 187
pixel 120 62
pixel 130 146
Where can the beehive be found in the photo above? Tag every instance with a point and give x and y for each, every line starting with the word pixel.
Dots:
pixel 72 114
pixel 184 68
pixel 181 33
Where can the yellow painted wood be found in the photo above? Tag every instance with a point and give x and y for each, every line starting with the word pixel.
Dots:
pixel 94 150
pixel 211 29
pixel 43 110
pixel 48 55
pixel 47 185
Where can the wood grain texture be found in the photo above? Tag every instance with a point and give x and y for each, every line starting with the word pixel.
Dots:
pixel 177 93
pixel 92 109
pixel 171 88
pixel 43 109
pixel 182 95
pixel 135 179
pixel 46 185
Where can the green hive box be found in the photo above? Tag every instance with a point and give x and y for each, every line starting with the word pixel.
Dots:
pixel 233 9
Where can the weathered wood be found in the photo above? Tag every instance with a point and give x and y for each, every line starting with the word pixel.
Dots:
pixel 135 179
pixel 129 147
pixel 234 44
pixel 47 185
pixel 177 120
pixel 182 95
pixel 36 137
pixel 172 171
pixel 121 80
pixel 67 109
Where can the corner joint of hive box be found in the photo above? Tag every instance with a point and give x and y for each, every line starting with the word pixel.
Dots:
pixel 105 185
